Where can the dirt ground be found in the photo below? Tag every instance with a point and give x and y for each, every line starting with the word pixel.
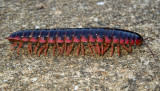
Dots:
pixel 134 71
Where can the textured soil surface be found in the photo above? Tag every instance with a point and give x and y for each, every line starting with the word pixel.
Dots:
pixel 138 70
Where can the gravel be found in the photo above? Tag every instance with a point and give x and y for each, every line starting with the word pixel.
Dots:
pixel 138 70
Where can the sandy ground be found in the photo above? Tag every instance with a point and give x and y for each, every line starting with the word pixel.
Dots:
pixel 134 71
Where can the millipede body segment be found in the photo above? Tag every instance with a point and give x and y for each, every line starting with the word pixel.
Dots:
pixel 98 40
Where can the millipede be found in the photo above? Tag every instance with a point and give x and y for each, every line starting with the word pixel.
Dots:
pixel 98 40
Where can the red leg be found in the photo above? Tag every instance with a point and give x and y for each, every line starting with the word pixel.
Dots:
pixel 65 47
pixel 36 48
pixel 102 49
pixel 58 48
pixel 112 49
pixel 62 49
pixel 93 47
pixel 130 47
pixel 118 49
pixel 41 49
pixel 70 48
pixel 78 49
pixel 82 48
pixel 12 46
pixel 90 48
pixel 106 48
pixel 98 49
pixel 46 49
pixel 54 47
pixel 124 47
pixel 20 45
pixel 30 48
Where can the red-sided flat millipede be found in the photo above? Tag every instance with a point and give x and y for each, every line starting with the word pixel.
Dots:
pixel 97 39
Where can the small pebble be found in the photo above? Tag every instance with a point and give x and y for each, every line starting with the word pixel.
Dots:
pixel 58 12
pixel 37 27
pixel 34 79
pixel 76 88
pixel 95 19
pixel 146 86
pixel 100 3
pixel 5 80
pixel 80 59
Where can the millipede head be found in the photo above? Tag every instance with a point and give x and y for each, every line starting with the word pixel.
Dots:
pixel 138 39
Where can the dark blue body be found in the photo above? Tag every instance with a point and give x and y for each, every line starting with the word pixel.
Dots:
pixel 77 32
pixel 44 34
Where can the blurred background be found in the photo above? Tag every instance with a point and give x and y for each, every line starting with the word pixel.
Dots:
pixel 135 71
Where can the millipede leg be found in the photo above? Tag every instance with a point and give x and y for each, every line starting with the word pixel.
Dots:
pixel 62 49
pixel 102 49
pixel 41 49
pixel 82 48
pixel 70 49
pixel 58 48
pixel 98 49
pixel 90 48
pixel 93 47
pixel 124 47
pixel 12 46
pixel 65 47
pixel 78 49
pixel 106 48
pixel 46 49
pixel 112 49
pixel 54 47
pixel 36 48
pixel 20 45
pixel 118 49
pixel 130 47
pixel 30 48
